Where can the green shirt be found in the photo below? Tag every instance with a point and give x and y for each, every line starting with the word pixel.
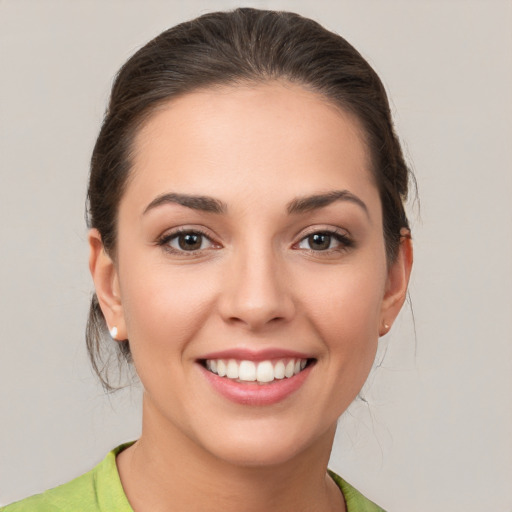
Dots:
pixel 100 490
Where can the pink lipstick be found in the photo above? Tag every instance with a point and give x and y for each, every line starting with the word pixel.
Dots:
pixel 261 377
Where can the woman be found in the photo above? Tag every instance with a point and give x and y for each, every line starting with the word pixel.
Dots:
pixel 248 246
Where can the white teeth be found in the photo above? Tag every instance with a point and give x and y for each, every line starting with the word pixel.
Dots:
pixel 279 370
pixel 288 371
pixel 262 372
pixel 232 369
pixel 265 372
pixel 221 368
pixel 247 371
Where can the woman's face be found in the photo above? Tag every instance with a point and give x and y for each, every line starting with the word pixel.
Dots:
pixel 250 242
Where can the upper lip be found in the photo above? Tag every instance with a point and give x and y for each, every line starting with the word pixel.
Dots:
pixel 244 354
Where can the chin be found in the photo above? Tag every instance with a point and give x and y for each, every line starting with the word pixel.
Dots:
pixel 267 447
pixel 253 455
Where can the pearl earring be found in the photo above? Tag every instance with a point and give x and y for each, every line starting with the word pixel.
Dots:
pixel 113 332
pixel 385 330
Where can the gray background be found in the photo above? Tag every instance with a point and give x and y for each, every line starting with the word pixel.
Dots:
pixel 435 432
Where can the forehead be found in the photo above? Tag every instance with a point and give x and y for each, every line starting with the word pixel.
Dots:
pixel 227 140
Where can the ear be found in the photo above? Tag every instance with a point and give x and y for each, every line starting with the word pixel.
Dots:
pixel 106 282
pixel 397 282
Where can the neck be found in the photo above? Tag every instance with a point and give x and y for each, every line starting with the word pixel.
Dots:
pixel 166 470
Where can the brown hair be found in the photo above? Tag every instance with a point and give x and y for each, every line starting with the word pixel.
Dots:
pixel 245 45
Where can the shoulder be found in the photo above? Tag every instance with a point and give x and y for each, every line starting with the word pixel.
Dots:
pixel 355 501
pixel 80 491
pixel 98 490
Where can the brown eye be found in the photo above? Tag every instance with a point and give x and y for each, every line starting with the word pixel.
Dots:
pixel 319 241
pixel 190 241
pixel 186 241
pixel 325 241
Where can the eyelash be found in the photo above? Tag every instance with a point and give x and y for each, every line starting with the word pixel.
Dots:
pixel 344 241
pixel 341 237
pixel 165 240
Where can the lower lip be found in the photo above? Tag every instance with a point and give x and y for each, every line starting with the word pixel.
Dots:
pixel 252 393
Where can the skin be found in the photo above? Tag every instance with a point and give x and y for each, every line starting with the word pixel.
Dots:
pixel 257 282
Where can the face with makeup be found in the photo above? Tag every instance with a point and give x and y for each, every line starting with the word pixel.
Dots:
pixel 250 273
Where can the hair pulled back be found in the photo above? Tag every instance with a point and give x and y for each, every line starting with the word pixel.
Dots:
pixel 245 45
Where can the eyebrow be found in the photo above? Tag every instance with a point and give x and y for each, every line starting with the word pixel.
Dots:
pixel 308 203
pixel 202 203
pixel 298 205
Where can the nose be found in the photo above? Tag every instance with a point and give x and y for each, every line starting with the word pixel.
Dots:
pixel 256 291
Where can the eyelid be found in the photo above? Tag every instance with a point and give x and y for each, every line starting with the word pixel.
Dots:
pixel 319 228
pixel 342 235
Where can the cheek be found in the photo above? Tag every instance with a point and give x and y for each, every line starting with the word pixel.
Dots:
pixel 347 321
pixel 345 309
pixel 164 309
pixel 348 298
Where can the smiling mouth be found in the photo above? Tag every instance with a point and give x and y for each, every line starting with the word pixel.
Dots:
pixel 259 372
